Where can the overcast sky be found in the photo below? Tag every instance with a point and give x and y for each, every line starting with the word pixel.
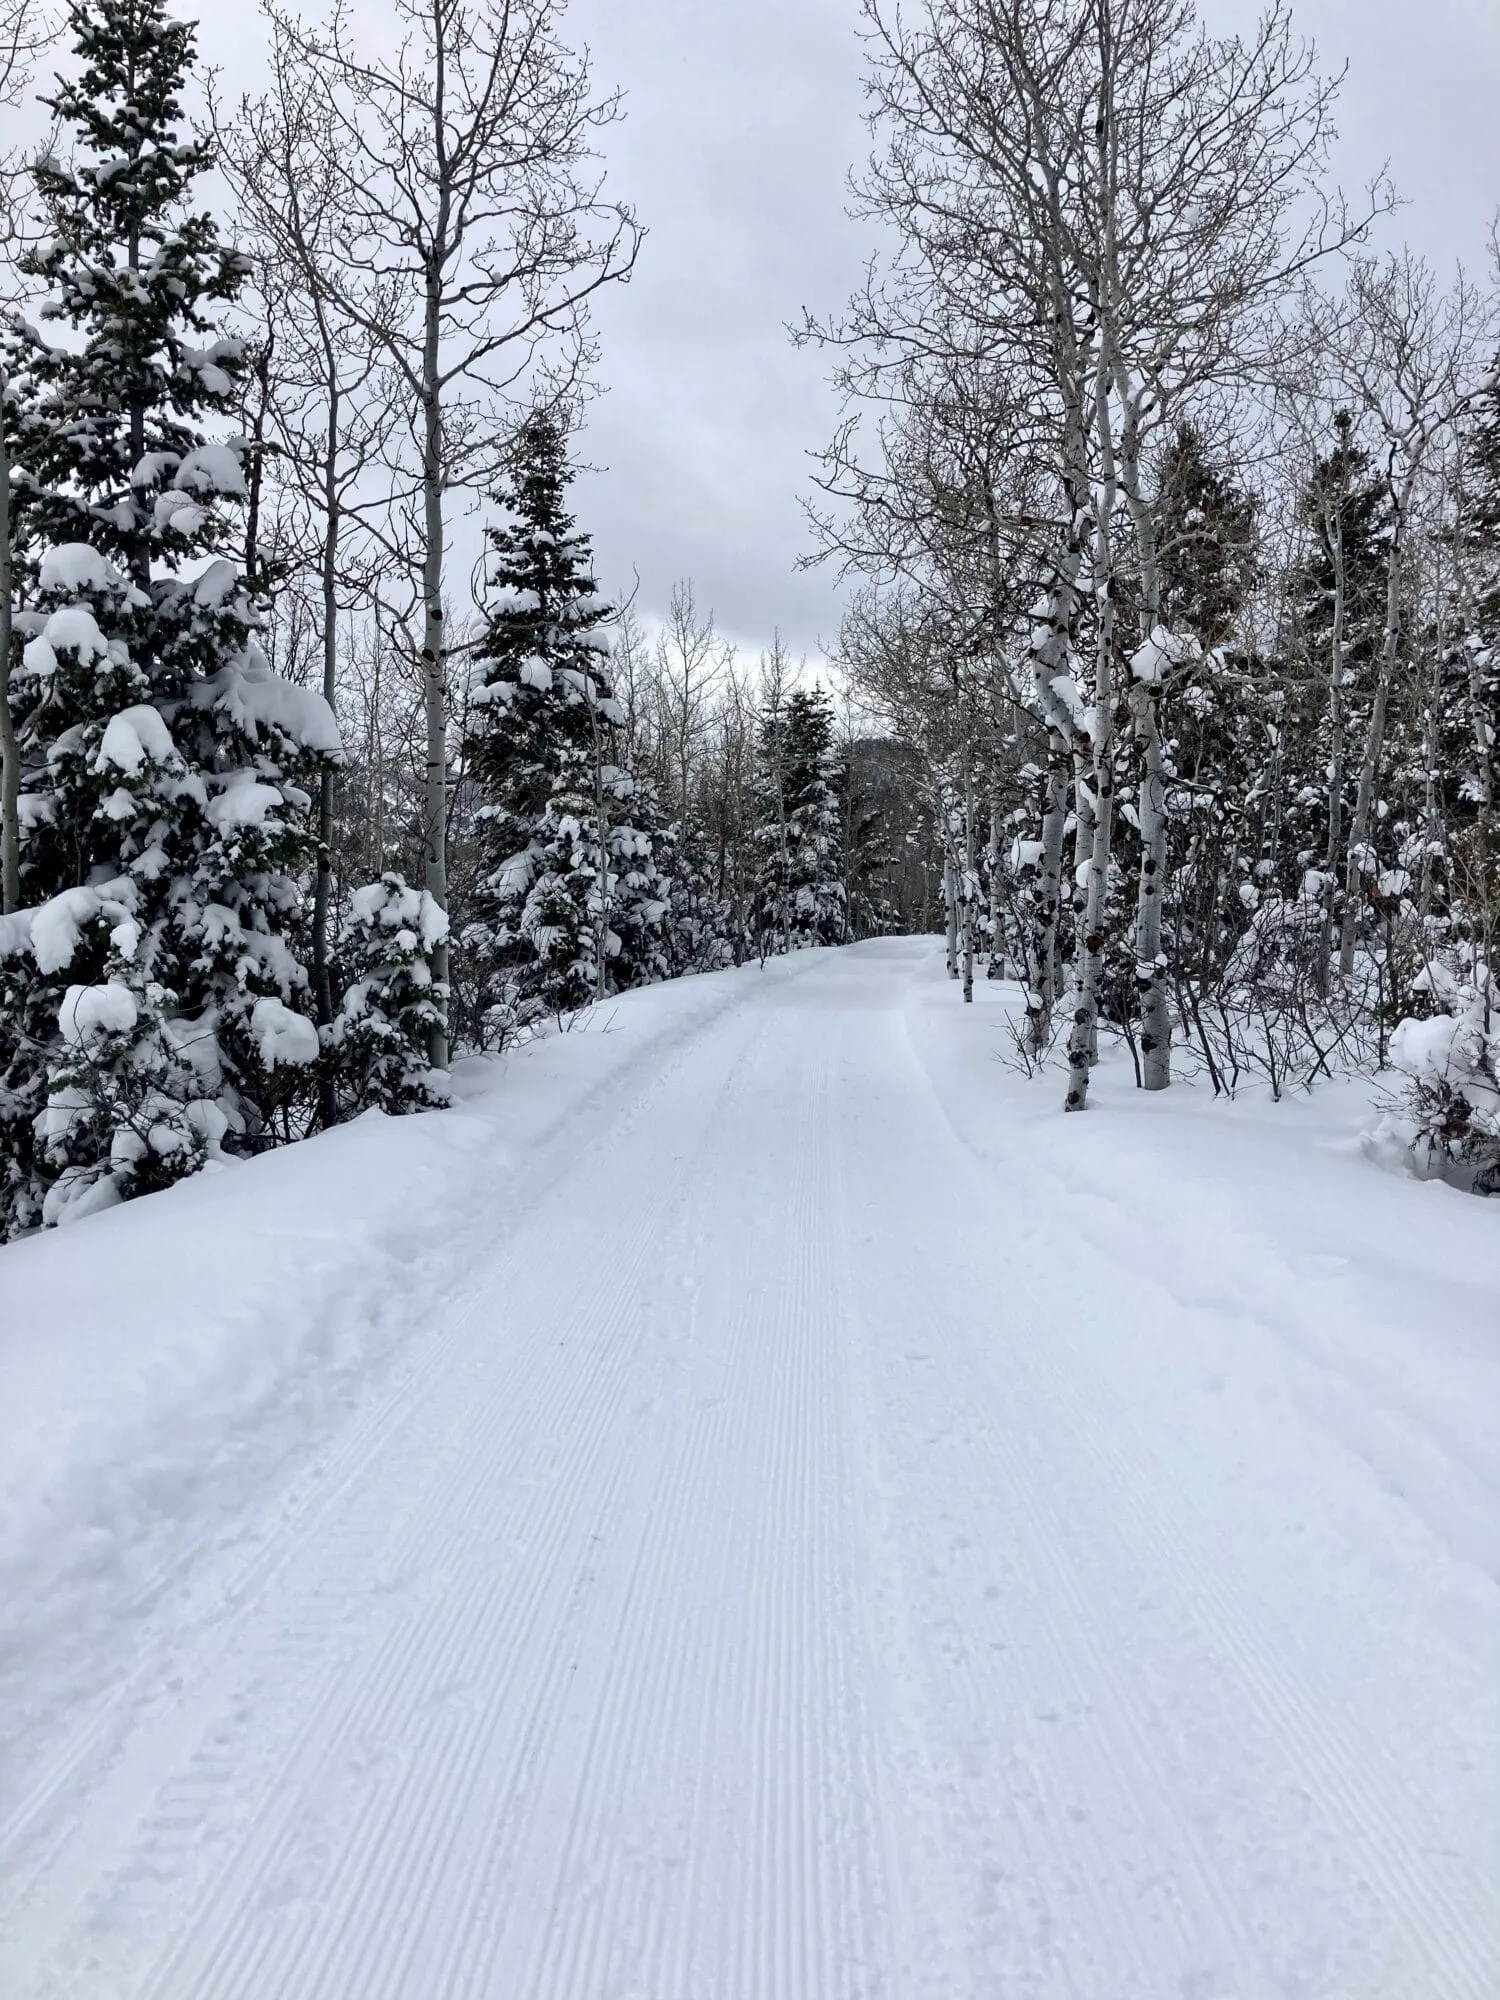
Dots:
pixel 743 120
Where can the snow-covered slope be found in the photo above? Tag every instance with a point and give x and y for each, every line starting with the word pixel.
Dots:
pixel 755 1503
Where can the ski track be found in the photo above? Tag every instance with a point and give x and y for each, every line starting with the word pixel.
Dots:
pixel 779 1581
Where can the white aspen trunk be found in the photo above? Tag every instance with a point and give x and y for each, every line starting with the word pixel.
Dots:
pixel 377 762
pixel 323 890
pixel 1088 963
pixel 1054 832
pixel 434 679
pixel 1369 764
pixel 787 883
pixel 1432 819
pixel 1147 715
pixel 1150 959
pixel 1051 660
pixel 1145 703
pixel 601 882
pixel 1335 741
pixel 1483 727
pixel 950 899
pixel 10 748
pixel 1089 954
pixel 996 967
pixel 971 901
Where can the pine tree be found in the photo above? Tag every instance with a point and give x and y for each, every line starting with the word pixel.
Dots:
pixel 799 897
pixel 867 850
pixel 1206 538
pixel 571 903
pixel 1344 496
pixel 164 767
pixel 382 1035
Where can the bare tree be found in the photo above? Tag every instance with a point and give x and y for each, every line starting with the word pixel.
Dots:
pixel 471 236
pixel 324 409
pixel 1100 206
pixel 1412 357
pixel 690 662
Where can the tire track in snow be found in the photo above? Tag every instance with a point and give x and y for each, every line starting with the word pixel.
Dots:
pixel 542 1407
pixel 1052 1426
pixel 387 1910
pixel 961 1494
pixel 739 1603
pixel 621 1101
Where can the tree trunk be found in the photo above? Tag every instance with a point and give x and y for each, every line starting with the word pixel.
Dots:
pixel 950 899
pixel 323 891
pixel 996 967
pixel 1049 883
pixel 434 688
pixel 601 873
pixel 1088 963
pixel 1145 702
pixel 1052 645
pixel 970 879
pixel 1483 727
pixel 10 748
pixel 1369 765
pixel 1150 960
pixel 1335 744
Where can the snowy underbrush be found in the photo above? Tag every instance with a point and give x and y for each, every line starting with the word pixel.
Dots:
pixel 1445 1124
pixel 1432 1080
pixel 164 1362
pixel 1361 1296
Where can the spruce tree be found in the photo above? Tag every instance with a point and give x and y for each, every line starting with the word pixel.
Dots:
pixel 799 896
pixel 1205 528
pixel 571 902
pixel 165 769
pixel 382 1034
pixel 867 850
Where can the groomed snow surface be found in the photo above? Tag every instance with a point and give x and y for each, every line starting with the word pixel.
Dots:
pixel 753 1504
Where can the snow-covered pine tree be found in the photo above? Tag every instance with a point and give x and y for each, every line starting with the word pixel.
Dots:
pixel 866 849
pixel 381 1038
pixel 799 897
pixel 571 904
pixel 155 970
pixel 1206 541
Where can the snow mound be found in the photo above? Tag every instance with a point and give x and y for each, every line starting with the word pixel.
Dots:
pixel 134 736
pixel 282 1036
pixel 76 566
pixel 89 1014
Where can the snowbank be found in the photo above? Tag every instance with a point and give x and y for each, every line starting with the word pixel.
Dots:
pixel 1361 1301
pixel 162 1364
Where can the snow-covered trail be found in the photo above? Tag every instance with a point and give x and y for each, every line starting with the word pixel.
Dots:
pixel 793 1576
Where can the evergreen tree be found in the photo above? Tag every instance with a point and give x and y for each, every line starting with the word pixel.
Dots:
pixel 571 903
pixel 868 852
pixel 164 767
pixel 800 897
pixel 1206 539
pixel 1344 498
pixel 382 1035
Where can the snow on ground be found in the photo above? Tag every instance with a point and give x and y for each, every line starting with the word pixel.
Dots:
pixel 754 1502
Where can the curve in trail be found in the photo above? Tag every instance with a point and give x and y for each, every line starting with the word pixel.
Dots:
pixel 781 1582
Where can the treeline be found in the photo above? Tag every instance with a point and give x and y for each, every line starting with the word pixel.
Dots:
pixel 290 809
pixel 1177 510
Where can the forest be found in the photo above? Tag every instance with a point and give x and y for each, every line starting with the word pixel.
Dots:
pixel 1167 508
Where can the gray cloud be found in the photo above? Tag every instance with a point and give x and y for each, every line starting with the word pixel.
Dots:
pixel 743 118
